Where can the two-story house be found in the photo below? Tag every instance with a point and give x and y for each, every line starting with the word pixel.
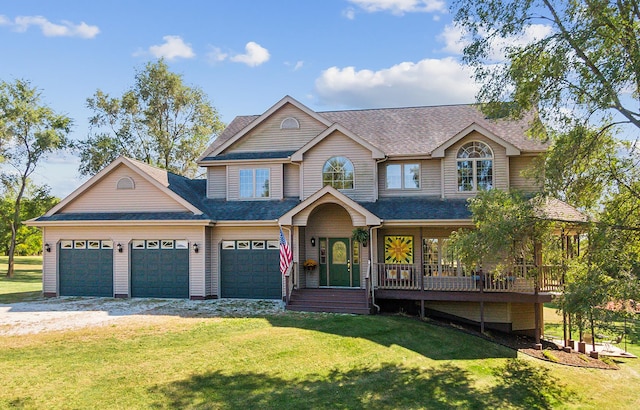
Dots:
pixel 401 174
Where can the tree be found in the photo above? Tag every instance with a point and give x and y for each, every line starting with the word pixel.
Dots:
pixel 35 201
pixel 585 62
pixel 29 131
pixel 159 120
pixel 507 225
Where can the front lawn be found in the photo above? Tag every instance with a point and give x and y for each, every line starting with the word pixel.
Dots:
pixel 26 283
pixel 293 361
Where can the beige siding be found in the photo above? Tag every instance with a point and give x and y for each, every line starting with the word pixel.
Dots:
pixel 302 218
pixel 269 137
pixel 208 256
pixel 104 197
pixel 523 316
pixel 338 144
pixel 500 166
pixel 237 233
pixel 217 182
pixel 493 312
pixel 275 179
pixel 430 179
pixel 124 235
pixel 516 178
pixel 291 181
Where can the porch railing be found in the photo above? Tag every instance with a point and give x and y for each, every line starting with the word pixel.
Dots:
pixel 522 279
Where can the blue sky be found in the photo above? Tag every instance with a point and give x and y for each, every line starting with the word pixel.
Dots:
pixel 245 54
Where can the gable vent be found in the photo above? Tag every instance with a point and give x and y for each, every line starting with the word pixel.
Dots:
pixel 125 183
pixel 289 123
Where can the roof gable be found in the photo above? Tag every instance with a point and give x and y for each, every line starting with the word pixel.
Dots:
pixel 339 198
pixel 244 125
pixel 178 194
pixel 439 151
pixel 375 152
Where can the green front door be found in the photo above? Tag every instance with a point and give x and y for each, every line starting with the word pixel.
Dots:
pixel 339 262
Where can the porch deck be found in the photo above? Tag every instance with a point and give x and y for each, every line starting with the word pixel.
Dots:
pixel 409 281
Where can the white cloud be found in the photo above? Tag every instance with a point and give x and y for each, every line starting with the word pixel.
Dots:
pixel 254 56
pixel 349 13
pixel 456 39
pixel 216 55
pixel 298 65
pixel 49 29
pixel 427 82
pixel 172 48
pixel 399 7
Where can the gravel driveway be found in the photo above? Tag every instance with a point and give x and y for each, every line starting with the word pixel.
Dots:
pixel 72 312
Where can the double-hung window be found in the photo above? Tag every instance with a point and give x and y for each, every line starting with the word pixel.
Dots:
pixel 254 183
pixel 403 176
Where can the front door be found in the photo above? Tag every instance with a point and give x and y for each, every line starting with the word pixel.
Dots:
pixel 339 262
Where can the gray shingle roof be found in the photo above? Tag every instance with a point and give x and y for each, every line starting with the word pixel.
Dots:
pixel 123 216
pixel 412 130
pixel 222 210
pixel 251 155
pixel 418 208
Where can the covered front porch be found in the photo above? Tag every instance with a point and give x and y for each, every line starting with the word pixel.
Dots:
pixel 522 279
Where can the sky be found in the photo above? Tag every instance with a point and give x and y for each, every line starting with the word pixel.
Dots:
pixel 244 54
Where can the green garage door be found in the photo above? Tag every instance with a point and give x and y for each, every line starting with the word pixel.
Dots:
pixel 159 269
pixel 250 270
pixel 85 268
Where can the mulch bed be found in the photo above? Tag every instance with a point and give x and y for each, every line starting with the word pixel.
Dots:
pixel 524 344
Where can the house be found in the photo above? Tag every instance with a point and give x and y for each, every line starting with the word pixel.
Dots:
pixel 403 175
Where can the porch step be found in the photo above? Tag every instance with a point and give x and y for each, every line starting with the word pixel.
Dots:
pixel 329 300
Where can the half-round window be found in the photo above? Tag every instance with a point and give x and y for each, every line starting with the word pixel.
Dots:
pixel 475 167
pixel 289 123
pixel 338 172
pixel 125 183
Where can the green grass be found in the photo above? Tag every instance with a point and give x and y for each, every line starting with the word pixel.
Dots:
pixel 289 361
pixel 26 283
pixel 293 361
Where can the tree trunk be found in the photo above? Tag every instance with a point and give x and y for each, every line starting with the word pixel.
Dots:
pixel 15 224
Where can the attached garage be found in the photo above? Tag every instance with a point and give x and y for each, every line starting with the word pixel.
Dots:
pixel 86 268
pixel 250 269
pixel 160 268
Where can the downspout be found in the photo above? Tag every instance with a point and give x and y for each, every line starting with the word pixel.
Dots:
pixel 371 228
pixel 373 293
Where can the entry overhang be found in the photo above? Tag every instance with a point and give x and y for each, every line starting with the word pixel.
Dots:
pixel 328 194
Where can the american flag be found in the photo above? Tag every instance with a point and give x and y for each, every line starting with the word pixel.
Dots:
pixel 286 257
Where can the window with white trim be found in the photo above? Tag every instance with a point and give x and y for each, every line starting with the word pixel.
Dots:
pixel 254 183
pixel 403 176
pixel 475 167
pixel 338 172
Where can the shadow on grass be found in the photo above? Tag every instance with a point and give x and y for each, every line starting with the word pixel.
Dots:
pixel 16 297
pixel 531 387
pixel 434 342
pixel 388 386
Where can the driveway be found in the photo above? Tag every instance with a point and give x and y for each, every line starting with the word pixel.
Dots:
pixel 66 313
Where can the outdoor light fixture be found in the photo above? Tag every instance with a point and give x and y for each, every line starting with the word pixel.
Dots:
pixel 47 247
pixel 195 248
pixel 313 241
pixel 119 246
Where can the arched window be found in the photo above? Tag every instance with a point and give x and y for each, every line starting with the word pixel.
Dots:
pixel 475 167
pixel 289 123
pixel 125 183
pixel 338 172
